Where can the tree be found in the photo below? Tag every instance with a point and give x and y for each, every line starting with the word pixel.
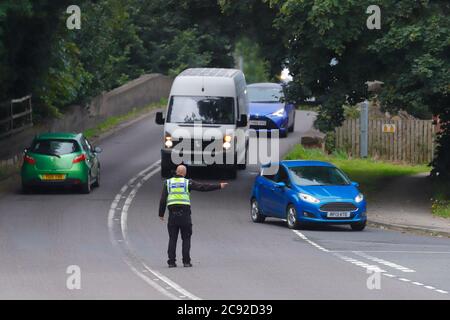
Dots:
pixel 253 20
pixel 256 68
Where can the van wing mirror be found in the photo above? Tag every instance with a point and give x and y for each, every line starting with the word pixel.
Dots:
pixel 159 118
pixel 242 122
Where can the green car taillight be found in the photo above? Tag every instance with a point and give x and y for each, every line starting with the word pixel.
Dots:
pixel 80 158
pixel 29 160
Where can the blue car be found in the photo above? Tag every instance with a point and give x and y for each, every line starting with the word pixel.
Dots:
pixel 267 109
pixel 307 192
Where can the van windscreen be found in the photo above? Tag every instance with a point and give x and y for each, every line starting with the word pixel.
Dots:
pixel 208 110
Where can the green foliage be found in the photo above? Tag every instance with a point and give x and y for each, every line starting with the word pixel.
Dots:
pixel 184 52
pixel 351 112
pixel 256 69
pixel 64 81
pixel 369 173
pixel 441 198
pixel 253 19
pixel 119 40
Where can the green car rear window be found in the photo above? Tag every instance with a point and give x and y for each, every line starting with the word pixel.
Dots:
pixel 55 147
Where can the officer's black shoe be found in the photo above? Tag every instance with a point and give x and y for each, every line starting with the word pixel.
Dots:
pixel 172 265
pixel 187 265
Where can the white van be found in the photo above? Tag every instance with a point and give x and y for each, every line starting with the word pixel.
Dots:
pixel 205 123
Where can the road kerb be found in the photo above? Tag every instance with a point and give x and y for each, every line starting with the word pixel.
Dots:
pixel 409 229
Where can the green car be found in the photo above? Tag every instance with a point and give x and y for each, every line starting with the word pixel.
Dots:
pixel 61 159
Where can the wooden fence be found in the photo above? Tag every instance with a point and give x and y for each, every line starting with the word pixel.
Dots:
pixel 15 115
pixel 409 141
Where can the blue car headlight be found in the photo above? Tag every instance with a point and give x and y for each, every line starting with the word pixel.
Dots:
pixel 278 113
pixel 308 198
pixel 359 198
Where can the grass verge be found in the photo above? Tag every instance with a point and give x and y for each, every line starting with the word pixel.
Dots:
pixel 441 199
pixel 369 173
pixel 113 122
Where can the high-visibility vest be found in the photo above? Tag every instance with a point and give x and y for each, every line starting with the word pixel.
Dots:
pixel 178 191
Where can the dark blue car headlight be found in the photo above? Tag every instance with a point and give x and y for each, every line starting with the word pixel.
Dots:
pixel 278 113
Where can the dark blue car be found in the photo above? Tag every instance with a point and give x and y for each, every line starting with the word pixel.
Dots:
pixel 267 109
pixel 308 192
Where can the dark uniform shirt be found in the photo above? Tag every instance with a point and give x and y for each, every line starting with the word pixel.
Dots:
pixel 192 185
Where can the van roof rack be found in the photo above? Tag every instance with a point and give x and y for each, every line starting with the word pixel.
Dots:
pixel 210 72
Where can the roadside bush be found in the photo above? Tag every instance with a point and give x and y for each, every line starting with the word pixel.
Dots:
pixel 330 142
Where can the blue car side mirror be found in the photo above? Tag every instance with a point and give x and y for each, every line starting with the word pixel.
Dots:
pixel 280 185
pixel 355 184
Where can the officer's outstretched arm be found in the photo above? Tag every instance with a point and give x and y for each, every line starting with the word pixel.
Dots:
pixel 204 187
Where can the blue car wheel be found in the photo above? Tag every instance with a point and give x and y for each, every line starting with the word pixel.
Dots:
pixel 291 217
pixel 358 226
pixel 255 213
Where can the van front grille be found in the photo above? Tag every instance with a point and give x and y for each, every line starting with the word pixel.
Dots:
pixel 196 144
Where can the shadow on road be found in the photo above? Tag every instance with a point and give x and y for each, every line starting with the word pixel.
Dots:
pixel 312 227
pixel 50 190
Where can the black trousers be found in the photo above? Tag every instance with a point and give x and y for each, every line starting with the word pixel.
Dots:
pixel 179 222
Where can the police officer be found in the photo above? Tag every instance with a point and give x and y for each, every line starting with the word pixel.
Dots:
pixel 175 195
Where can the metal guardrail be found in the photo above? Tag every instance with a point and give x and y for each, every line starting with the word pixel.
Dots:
pixel 18 116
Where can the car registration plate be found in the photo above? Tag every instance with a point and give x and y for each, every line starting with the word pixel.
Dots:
pixel 53 177
pixel 257 122
pixel 338 214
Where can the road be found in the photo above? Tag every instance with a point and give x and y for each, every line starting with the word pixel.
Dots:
pixel 117 240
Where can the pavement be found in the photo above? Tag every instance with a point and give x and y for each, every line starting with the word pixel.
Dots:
pixel 405 204
pixel 115 238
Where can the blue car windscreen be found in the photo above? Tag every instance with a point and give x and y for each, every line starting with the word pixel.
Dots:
pixel 318 176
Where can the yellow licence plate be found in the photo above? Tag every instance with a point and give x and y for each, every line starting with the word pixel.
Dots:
pixel 54 177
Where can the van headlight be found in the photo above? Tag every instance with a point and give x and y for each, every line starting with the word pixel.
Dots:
pixel 359 198
pixel 227 142
pixel 308 198
pixel 168 141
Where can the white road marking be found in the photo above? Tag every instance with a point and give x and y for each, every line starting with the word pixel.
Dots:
pixel 442 291
pixel 158 281
pixel 395 251
pixel 309 241
pixel 384 262
pixel 370 267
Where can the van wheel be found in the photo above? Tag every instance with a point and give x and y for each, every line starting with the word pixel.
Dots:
pixel 232 172
pixel 243 166
pixel 255 213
